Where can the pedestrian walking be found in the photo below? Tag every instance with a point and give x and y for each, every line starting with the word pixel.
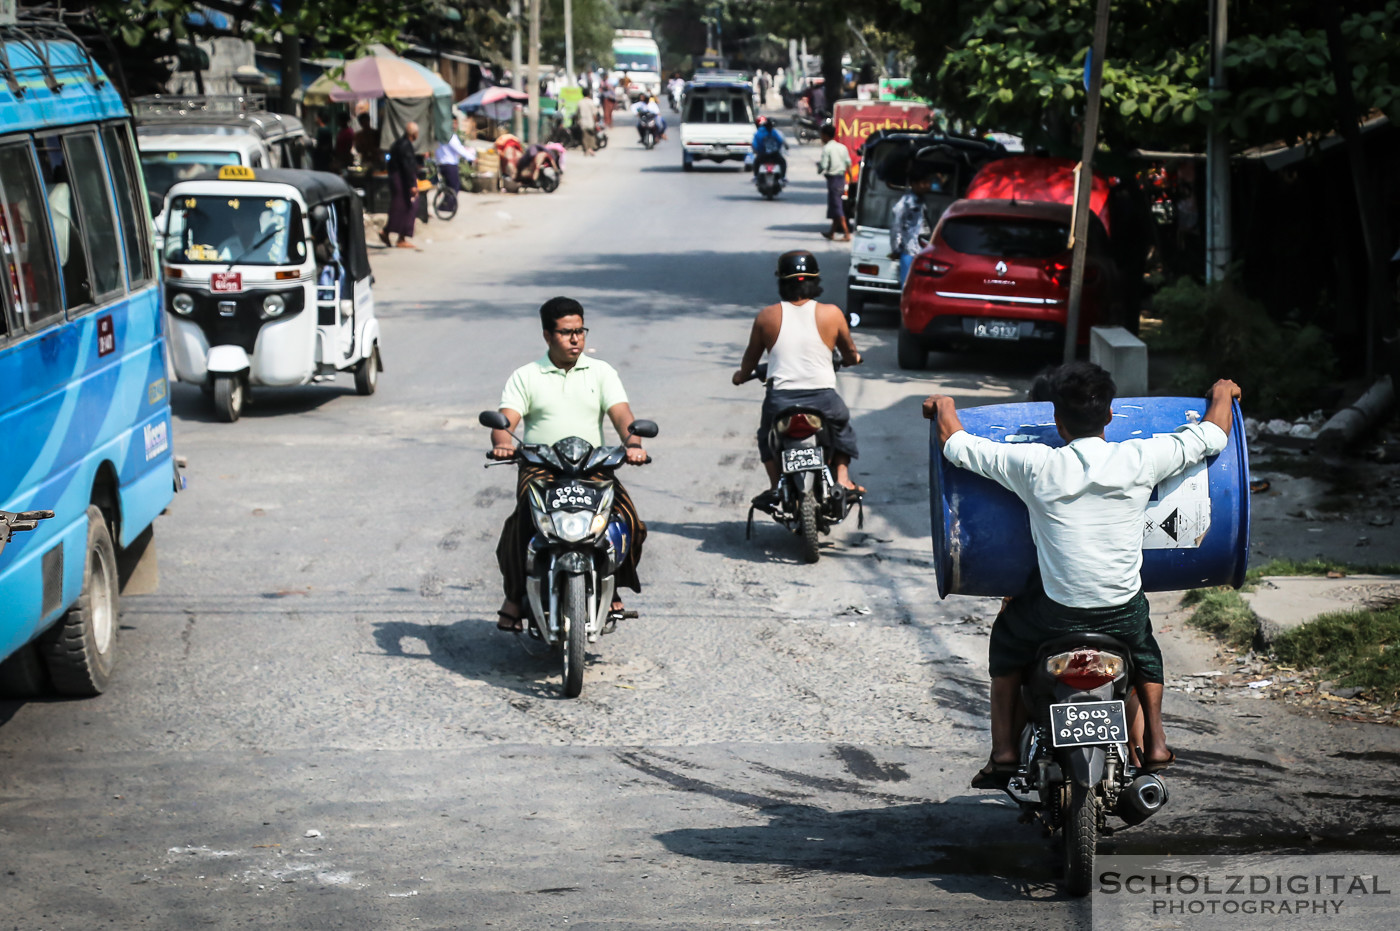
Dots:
pixel 834 163
pixel 609 103
pixel 587 117
pixel 344 154
pixel 324 149
pixel 403 188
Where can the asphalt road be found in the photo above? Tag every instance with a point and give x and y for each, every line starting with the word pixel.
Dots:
pixel 316 724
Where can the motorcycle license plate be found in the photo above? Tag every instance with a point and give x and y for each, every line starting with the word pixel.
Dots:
pixel 572 497
pixel 998 329
pixel 1084 724
pixel 803 459
pixel 769 169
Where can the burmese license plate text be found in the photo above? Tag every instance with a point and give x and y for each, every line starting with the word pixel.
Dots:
pixel 802 459
pixel 998 329
pixel 226 282
pixel 1086 723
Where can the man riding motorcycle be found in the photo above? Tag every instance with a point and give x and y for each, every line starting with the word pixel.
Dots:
pixel 564 394
pixel 799 336
pixel 1087 502
pixel 768 145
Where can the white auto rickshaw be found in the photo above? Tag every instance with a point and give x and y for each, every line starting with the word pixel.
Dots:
pixel 267 283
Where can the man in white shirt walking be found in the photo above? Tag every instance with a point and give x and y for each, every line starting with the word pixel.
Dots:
pixel 1087 502
pixel 587 117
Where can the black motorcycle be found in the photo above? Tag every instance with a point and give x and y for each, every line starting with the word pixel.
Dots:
pixel 809 126
pixel 808 500
pixel 769 177
pixel 646 128
pixel 1074 769
pixel 578 544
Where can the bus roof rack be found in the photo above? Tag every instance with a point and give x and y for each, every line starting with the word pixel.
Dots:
pixel 182 104
pixel 38 38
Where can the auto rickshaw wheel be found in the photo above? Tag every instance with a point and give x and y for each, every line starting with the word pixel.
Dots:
pixel 230 394
pixel 367 372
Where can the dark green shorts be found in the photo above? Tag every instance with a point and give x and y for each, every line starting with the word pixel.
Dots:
pixel 1032 618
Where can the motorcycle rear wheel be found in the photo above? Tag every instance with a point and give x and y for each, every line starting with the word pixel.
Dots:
pixel 1081 839
pixel 807 523
pixel 574 606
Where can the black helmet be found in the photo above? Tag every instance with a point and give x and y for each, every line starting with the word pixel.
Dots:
pixel 798 263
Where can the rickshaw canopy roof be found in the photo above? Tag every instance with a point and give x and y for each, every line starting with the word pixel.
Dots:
pixel 315 187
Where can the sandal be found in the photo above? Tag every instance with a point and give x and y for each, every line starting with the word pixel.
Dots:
pixel 994 775
pixel 509 623
pixel 384 238
pixel 1149 769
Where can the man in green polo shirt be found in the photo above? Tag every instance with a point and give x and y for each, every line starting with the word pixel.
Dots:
pixel 563 394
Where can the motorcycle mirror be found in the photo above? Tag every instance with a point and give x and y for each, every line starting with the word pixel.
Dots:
pixel 493 419
pixel 644 428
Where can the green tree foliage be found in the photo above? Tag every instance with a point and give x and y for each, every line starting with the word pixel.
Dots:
pixel 1018 65
pixel 594 22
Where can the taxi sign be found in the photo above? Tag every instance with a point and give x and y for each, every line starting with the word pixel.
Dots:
pixel 235 173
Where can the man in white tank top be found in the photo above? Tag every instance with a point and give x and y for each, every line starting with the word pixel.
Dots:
pixel 799 335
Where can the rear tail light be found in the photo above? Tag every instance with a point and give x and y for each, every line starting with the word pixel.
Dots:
pixel 868 269
pixel 799 426
pixel 924 265
pixel 1058 270
pixel 1084 669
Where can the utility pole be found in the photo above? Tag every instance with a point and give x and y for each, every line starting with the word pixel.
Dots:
pixel 517 69
pixel 291 56
pixel 569 40
pixel 533 91
pixel 1218 246
pixel 1082 210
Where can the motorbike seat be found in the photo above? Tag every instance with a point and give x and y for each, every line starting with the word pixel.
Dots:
pixel 1088 640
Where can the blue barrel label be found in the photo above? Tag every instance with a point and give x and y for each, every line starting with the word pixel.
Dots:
pixel 1178 514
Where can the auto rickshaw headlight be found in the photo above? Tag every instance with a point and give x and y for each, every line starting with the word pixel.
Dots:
pixel 182 304
pixel 273 305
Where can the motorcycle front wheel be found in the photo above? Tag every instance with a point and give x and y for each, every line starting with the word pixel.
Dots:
pixel 573 602
pixel 1081 839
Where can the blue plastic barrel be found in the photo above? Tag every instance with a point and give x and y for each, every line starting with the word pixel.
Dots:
pixel 981 531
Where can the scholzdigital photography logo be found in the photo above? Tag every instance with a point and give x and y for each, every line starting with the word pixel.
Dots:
pixel 1352 892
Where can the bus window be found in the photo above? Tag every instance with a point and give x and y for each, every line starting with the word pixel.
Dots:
pixel 26 248
pixel 99 225
pixel 72 255
pixel 135 238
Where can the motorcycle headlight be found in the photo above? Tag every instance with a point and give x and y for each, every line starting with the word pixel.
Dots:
pixel 273 305
pixel 573 526
pixel 182 304
pixel 600 523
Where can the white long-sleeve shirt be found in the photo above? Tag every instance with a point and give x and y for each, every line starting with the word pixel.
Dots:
pixel 1087 502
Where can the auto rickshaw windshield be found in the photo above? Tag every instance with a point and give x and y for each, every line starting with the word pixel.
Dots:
pixel 205 229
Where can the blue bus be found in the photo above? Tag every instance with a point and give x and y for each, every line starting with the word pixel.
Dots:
pixel 84 400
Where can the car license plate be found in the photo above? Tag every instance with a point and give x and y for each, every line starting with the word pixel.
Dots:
pixel 998 329
pixel 226 282
pixel 803 459
pixel 721 150
pixel 1084 724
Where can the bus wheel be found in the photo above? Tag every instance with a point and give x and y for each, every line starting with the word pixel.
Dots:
pixel 229 395
pixel 79 649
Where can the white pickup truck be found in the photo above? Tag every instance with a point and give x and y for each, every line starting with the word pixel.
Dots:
pixel 716 122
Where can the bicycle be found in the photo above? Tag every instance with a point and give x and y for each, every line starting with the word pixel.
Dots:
pixel 444 199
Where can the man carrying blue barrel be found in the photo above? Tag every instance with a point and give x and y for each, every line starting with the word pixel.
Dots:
pixel 1088 502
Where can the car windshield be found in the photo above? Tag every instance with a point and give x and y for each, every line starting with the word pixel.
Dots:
pixel 636 61
pixel 719 108
pixel 163 169
pixel 1006 237
pixel 252 230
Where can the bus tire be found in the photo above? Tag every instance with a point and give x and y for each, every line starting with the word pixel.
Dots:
pixel 80 648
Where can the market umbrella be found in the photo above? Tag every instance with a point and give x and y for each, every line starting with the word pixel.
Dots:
pixel 496 102
pixel 370 78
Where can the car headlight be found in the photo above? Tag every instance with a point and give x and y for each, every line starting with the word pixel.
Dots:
pixel 273 305
pixel 572 526
pixel 182 304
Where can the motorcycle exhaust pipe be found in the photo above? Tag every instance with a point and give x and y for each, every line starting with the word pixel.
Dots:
pixel 1142 799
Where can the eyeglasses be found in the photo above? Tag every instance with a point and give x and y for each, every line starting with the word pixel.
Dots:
pixel 576 331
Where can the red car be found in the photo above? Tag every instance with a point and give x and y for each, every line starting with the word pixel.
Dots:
pixel 998 270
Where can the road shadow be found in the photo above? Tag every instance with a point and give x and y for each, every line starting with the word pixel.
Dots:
pixel 474 649
pixel 771 543
pixel 188 402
